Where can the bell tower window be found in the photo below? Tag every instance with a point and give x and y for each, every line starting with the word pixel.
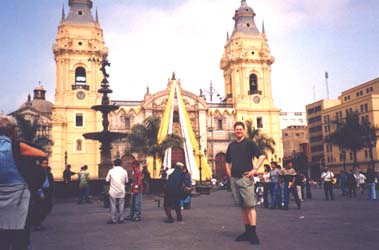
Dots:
pixel 80 75
pixel 253 84
pixel 80 79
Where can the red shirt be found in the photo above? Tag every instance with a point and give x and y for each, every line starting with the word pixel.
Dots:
pixel 137 183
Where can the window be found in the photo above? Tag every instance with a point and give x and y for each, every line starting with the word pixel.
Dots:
pixel 366 154
pixel 259 122
pixel 79 145
pixel 253 84
pixel 79 121
pixel 351 155
pixel 127 122
pixel 366 107
pixel 80 75
pixel 219 123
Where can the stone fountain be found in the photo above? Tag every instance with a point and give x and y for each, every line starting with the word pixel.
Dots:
pixel 105 137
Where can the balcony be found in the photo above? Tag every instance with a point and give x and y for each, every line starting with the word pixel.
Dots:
pixel 257 92
pixel 80 86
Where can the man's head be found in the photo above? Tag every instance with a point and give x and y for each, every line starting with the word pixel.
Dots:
pixel 117 162
pixel 273 164
pixel 289 164
pixel 239 130
pixel 45 163
pixel 135 164
pixel 85 167
pixel 8 126
pixel 68 166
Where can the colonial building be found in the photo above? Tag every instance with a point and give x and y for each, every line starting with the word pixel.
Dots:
pixel 80 46
pixel 322 116
pixel 37 112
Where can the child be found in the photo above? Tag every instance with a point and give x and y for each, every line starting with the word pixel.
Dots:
pixel 259 190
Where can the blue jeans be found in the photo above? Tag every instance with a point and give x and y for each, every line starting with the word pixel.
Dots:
pixel 372 191
pixel 275 190
pixel 135 206
pixel 83 193
pixel 286 196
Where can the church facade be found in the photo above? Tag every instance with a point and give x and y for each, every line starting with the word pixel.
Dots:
pixel 78 51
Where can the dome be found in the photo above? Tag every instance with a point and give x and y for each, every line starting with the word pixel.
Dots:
pixel 244 10
pixel 39 102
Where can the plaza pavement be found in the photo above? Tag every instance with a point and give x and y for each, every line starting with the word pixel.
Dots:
pixel 213 223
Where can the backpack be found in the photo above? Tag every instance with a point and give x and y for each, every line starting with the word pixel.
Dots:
pixel 32 172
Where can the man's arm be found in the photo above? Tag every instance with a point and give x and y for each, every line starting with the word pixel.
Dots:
pixel 252 172
pixel 27 150
pixel 228 169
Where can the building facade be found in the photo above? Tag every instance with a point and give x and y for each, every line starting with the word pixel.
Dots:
pixel 322 117
pixel 80 47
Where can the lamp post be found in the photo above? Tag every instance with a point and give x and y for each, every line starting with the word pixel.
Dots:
pixel 200 155
pixel 65 158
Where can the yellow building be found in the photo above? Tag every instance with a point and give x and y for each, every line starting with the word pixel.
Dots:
pixel 323 114
pixel 246 65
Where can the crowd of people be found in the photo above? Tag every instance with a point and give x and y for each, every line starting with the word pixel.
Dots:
pixel 27 186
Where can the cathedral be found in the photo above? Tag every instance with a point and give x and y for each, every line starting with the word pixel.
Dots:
pixel 78 51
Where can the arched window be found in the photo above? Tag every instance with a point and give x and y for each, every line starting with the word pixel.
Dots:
pixel 79 146
pixel 253 84
pixel 80 76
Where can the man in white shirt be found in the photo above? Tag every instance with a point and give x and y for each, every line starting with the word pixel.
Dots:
pixel 118 177
pixel 327 176
pixel 361 180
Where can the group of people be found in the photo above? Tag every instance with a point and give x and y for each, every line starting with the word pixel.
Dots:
pixel 178 187
pixel 354 182
pixel 275 186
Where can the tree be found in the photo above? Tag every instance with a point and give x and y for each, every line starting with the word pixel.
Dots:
pixel 265 143
pixel 143 139
pixel 371 134
pixel 349 134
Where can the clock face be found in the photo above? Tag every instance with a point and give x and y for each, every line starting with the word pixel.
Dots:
pixel 80 95
pixel 256 99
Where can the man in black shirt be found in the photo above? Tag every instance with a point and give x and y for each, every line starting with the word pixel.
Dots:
pixel 240 169
pixel 67 173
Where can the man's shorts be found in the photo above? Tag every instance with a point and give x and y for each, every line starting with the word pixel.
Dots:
pixel 243 191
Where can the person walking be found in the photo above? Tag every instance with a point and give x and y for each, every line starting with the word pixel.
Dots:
pixel 266 177
pixel 173 193
pixel 185 202
pixel 372 180
pixel 327 177
pixel 117 177
pixel 240 170
pixel 15 186
pixel 44 198
pixel 84 185
pixel 136 192
pixel 361 182
pixel 67 173
pixel 351 183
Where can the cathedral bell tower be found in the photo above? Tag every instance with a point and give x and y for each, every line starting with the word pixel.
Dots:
pixel 78 52
pixel 246 64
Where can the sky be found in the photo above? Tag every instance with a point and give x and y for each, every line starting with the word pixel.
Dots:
pixel 148 40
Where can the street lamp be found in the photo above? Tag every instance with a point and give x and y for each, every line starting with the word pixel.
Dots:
pixel 200 155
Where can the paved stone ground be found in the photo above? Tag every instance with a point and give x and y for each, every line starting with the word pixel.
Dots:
pixel 213 223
